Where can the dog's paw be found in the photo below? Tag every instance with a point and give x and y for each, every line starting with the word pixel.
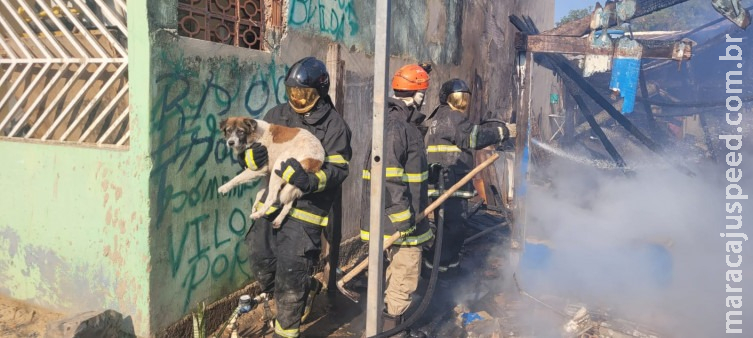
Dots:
pixel 277 222
pixel 224 189
pixel 256 215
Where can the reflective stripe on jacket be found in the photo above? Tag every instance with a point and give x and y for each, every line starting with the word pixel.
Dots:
pixel 450 139
pixel 406 188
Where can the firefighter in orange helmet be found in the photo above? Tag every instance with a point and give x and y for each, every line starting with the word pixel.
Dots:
pixel 406 191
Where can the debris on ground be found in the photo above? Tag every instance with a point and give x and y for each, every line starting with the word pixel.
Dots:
pixel 599 324
pixel 108 323
pixel 474 303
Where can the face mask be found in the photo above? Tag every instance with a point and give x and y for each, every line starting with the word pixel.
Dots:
pixel 418 99
pixel 459 101
pixel 302 99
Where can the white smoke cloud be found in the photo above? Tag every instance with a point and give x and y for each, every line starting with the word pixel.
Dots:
pixel 612 236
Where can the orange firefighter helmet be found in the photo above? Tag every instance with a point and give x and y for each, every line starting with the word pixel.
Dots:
pixel 410 78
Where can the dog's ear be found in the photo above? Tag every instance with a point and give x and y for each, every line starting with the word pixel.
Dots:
pixel 223 124
pixel 250 124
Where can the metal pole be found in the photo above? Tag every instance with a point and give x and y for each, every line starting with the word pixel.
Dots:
pixel 374 300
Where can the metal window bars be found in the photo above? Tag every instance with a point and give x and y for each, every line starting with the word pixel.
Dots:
pixel 238 23
pixel 64 71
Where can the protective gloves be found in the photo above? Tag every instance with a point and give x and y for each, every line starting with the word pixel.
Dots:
pixel 292 172
pixel 513 129
pixel 406 231
pixel 254 157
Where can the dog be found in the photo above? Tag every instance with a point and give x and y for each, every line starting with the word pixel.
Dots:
pixel 282 143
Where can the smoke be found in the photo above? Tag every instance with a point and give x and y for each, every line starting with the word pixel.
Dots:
pixel 646 247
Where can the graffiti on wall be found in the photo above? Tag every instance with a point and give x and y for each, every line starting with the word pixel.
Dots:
pixel 201 231
pixel 334 18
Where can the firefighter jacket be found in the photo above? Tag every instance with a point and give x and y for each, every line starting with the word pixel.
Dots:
pixel 330 128
pixel 450 138
pixel 405 178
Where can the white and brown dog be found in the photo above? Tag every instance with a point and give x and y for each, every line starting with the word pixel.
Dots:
pixel 282 143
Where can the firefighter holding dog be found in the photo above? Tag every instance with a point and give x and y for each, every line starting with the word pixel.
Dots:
pixel 450 139
pixel 405 191
pixel 283 259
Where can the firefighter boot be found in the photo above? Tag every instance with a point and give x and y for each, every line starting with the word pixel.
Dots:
pixel 416 334
pixel 389 322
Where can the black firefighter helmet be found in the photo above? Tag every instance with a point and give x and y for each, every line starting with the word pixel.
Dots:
pixel 455 93
pixel 306 81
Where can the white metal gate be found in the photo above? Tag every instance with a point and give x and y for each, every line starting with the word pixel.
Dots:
pixel 64 71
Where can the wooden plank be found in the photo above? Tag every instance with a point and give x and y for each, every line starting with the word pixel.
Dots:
pixel 525 62
pixel 333 231
pixel 577 45
pixel 336 69
pixel 565 68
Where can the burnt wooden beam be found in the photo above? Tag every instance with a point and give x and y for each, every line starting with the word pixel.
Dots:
pixel 588 115
pixel 561 66
pixel 678 50
pixel 565 68
pixel 583 25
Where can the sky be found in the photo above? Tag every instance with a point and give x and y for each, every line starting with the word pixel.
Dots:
pixel 561 7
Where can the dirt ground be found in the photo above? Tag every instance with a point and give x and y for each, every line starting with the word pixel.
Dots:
pixel 19 320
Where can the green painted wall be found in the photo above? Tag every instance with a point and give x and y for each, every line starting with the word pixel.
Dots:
pixel 197 235
pixel 75 223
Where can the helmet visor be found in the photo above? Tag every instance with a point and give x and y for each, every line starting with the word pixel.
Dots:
pixel 459 100
pixel 302 99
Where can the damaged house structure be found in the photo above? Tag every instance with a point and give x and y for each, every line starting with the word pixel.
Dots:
pixel 642 129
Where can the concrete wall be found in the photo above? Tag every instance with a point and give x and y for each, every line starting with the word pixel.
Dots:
pixel 75 223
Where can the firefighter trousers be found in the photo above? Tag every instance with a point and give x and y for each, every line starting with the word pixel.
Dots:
pixel 455 219
pixel 282 261
pixel 401 278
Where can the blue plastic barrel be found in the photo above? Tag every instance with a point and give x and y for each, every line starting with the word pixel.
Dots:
pixel 625 72
pixel 626 67
pixel 630 268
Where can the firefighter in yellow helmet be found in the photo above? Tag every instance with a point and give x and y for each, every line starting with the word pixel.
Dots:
pixel 450 140
pixel 283 259
pixel 405 191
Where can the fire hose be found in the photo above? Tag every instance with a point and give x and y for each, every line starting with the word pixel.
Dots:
pixel 389 241
pixel 439 219
pixel 444 195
